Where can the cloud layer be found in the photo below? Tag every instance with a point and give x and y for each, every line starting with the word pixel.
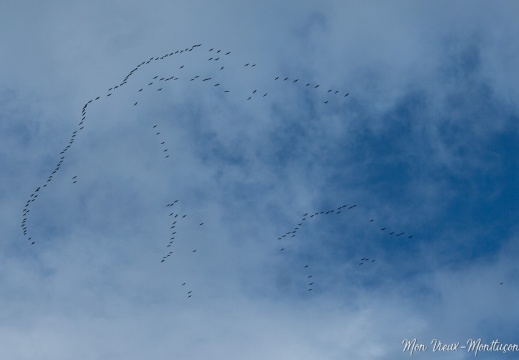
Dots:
pixel 410 113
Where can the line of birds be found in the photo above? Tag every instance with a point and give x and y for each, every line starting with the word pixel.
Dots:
pixel 307 216
pixel 309 277
pixel 175 218
pixel 292 233
pixel 364 259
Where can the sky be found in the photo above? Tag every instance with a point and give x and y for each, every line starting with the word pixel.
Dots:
pixel 295 180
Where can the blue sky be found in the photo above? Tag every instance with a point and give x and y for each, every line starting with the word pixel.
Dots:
pixel 425 145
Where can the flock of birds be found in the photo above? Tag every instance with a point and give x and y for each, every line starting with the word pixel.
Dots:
pixel 216 56
pixel 306 217
pixel 176 217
